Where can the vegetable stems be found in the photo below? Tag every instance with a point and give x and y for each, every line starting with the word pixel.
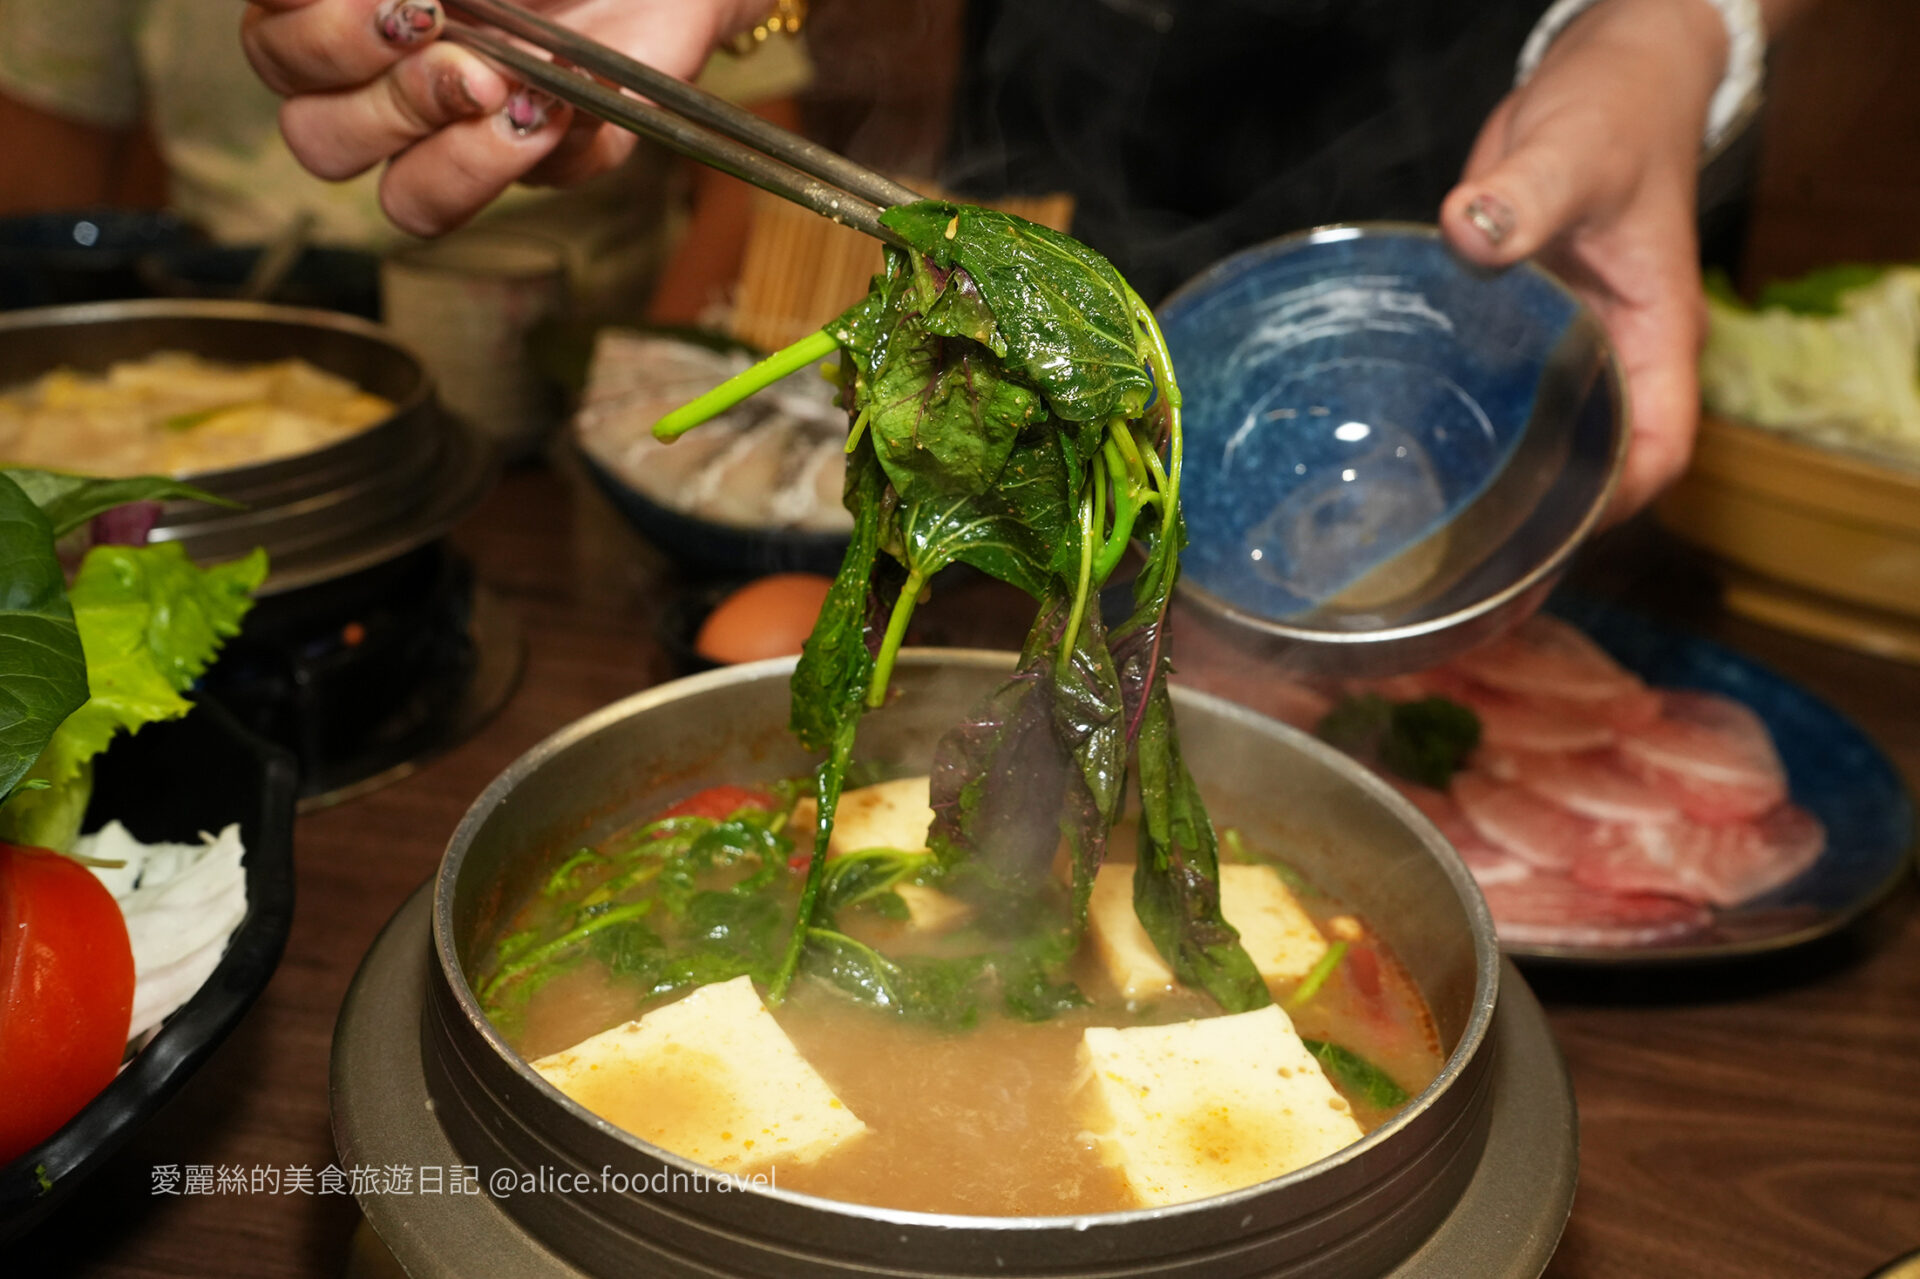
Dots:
pixel 827 779
pixel 572 937
pixel 1317 975
pixel 1078 613
pixel 791 359
pixel 1127 500
pixel 895 636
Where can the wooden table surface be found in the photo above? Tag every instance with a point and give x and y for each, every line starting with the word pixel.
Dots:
pixel 1762 1124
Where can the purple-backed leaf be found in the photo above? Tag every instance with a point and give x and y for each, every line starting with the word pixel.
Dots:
pixel 127 525
pixel 998 780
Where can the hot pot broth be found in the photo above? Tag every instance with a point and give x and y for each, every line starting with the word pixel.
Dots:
pixel 969 1108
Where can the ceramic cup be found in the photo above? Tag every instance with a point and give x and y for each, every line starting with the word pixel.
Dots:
pixel 467 304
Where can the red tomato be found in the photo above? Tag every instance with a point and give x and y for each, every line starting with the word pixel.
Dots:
pixel 718 802
pixel 66 993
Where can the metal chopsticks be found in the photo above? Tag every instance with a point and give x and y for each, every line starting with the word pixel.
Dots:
pixel 683 117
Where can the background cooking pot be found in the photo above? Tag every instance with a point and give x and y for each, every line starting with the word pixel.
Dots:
pixel 321 514
pixel 370 647
pixel 420 1076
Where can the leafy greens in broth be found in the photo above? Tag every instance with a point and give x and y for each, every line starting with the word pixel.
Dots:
pixel 1011 400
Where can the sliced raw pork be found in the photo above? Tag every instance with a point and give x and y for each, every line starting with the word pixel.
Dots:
pixel 1591 784
pixel 1723 864
pixel 1545 657
pixel 1517 821
pixel 1395 688
pixel 1511 723
pixel 1710 755
pixel 1553 910
pixel 1438 807
pixel 1627 713
pixel 1489 864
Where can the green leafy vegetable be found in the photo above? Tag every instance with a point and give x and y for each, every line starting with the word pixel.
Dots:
pixel 1063 312
pixel 43 668
pixel 652 915
pixel 150 622
pixel 1176 884
pixel 71 500
pixel 870 873
pixel 1010 400
pixel 1424 741
pixel 1358 1076
pixel 943 991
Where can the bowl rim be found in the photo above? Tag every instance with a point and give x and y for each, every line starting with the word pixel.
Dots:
pixel 1474 1034
pixel 81 314
pixel 1545 568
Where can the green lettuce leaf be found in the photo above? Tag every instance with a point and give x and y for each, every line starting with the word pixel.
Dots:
pixel 43 670
pixel 150 622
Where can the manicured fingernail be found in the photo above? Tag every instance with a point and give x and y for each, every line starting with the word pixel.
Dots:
pixel 526 111
pixel 406 22
pixel 1491 216
pixel 453 95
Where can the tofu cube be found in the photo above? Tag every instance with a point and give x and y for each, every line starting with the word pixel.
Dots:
pixel 1119 940
pixel 892 814
pixel 711 1077
pixel 931 911
pixel 1200 1108
pixel 1278 935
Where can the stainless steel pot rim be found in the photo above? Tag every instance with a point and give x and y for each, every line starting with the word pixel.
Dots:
pixel 1543 569
pixel 1472 1038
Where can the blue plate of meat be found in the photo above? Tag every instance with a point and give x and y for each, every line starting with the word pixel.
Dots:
pixel 1641 794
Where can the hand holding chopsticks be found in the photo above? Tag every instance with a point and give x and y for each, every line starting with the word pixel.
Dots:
pixel 682 116
pixel 464 116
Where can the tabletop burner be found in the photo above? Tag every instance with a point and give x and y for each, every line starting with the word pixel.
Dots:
pixel 366 677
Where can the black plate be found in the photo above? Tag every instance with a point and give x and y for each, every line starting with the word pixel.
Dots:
pixel 169 782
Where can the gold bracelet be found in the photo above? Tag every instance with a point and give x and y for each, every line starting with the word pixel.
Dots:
pixel 786 18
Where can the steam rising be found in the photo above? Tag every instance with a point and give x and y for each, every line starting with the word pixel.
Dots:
pixel 1187 129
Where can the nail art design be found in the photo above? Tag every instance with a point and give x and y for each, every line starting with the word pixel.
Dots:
pixel 1491 216
pixel 527 111
pixel 453 95
pixel 405 22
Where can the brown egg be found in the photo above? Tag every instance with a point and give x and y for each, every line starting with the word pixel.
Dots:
pixel 769 617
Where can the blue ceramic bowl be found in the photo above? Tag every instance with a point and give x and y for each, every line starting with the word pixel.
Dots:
pixel 1389 452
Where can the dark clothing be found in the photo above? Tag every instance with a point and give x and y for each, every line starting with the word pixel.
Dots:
pixel 1187 129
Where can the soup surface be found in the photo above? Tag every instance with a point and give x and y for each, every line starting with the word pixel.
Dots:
pixel 971 1103
pixel 178 414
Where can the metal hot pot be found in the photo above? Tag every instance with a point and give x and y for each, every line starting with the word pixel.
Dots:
pixel 369 646
pixel 321 515
pixel 1474 1177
